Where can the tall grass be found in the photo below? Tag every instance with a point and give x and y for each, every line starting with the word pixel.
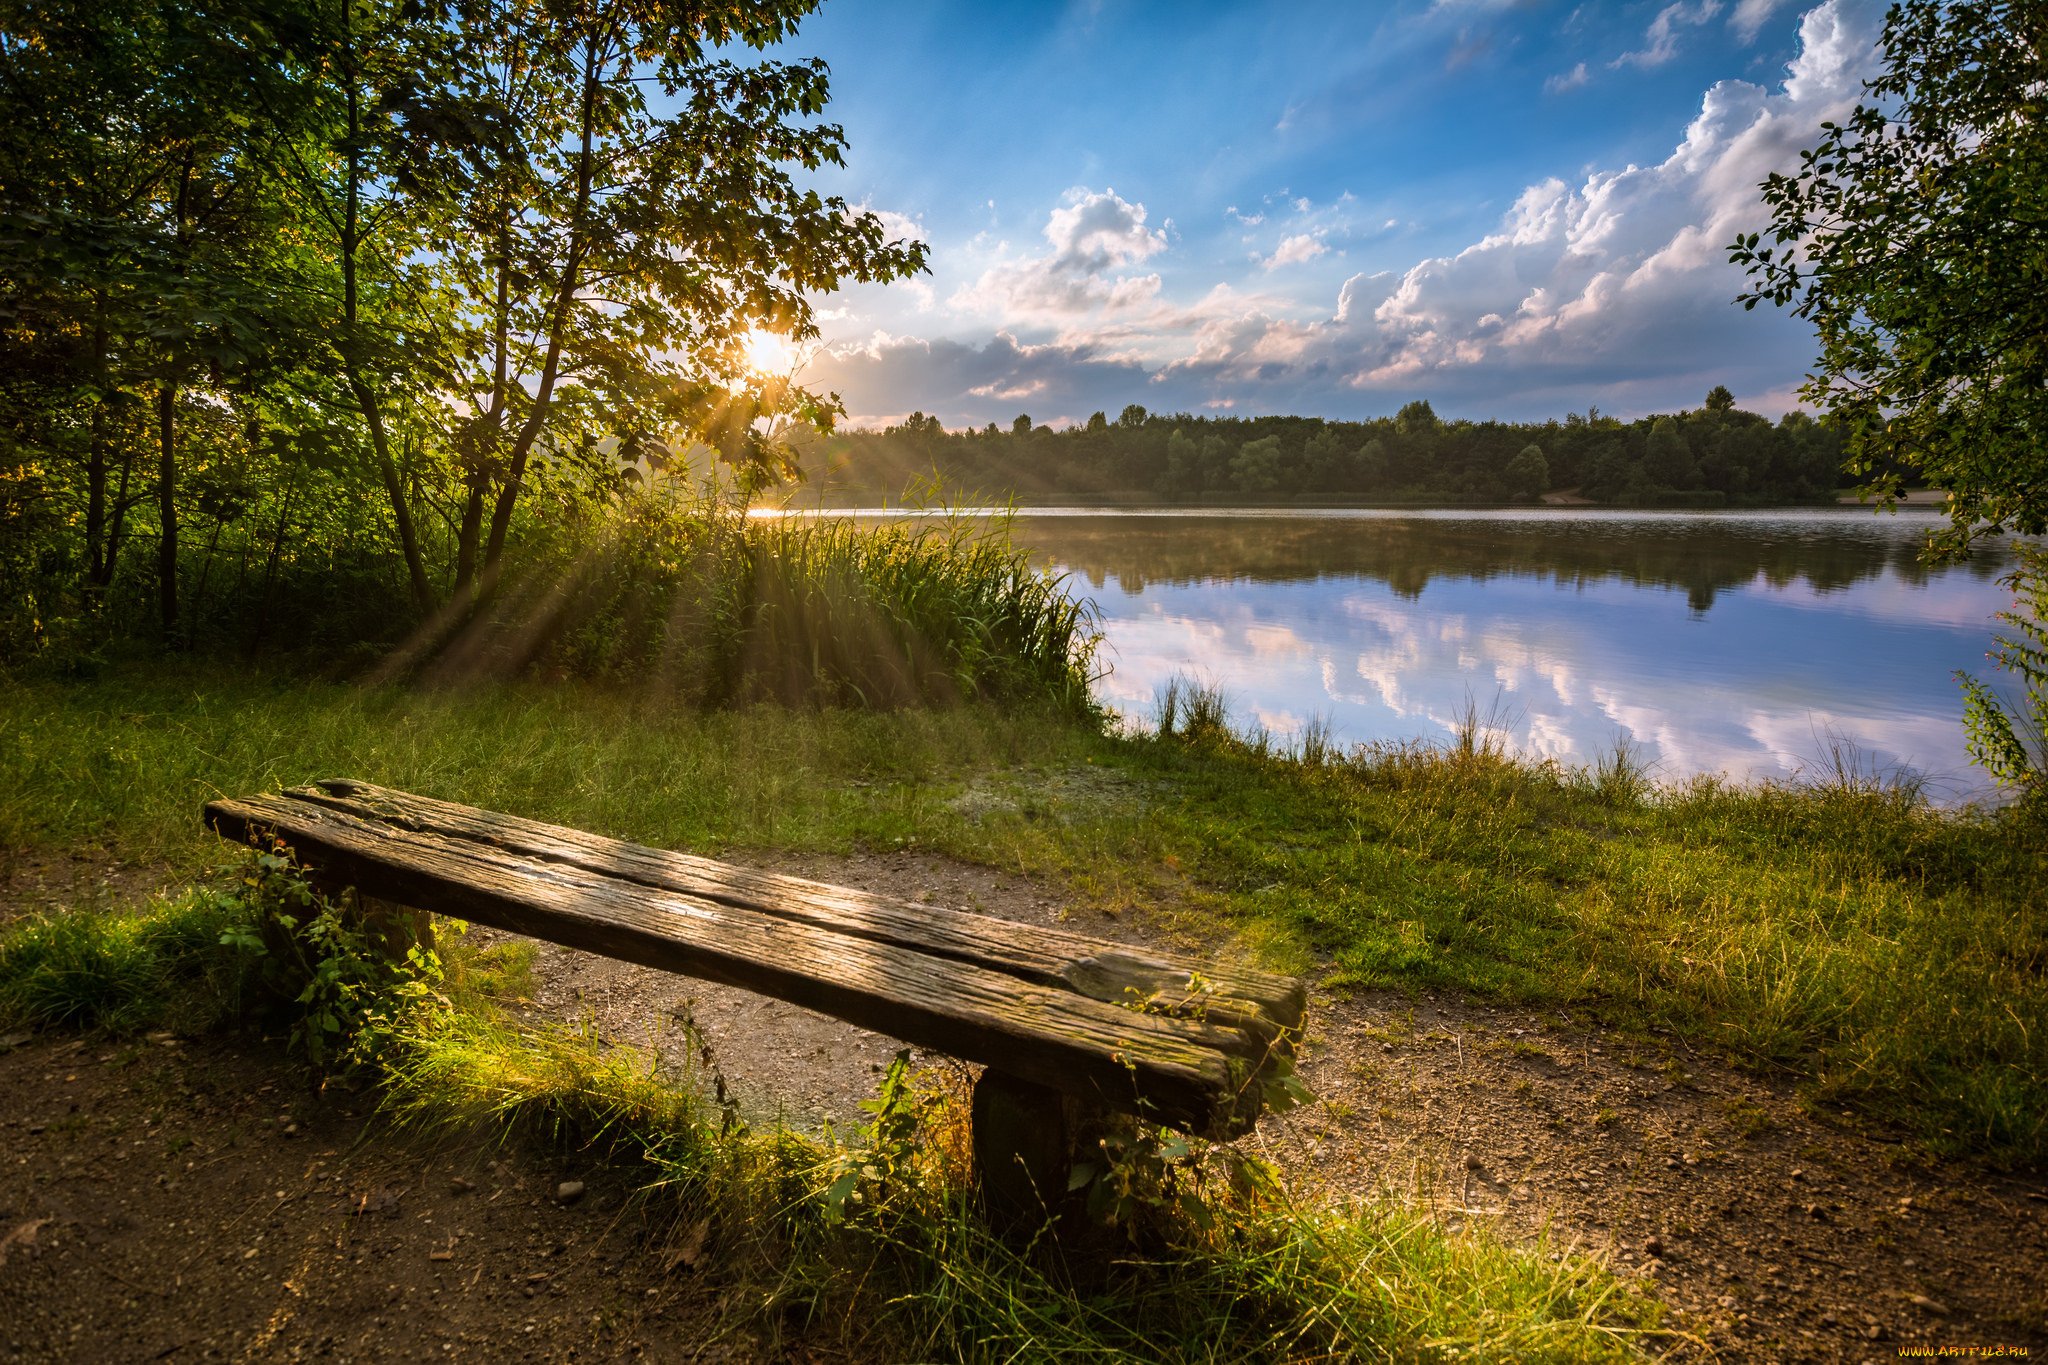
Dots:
pixel 916 1273
pixel 122 972
pixel 710 606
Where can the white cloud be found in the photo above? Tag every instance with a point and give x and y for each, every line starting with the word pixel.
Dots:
pixel 1302 246
pixel 1661 38
pixel 1610 286
pixel 1751 15
pixel 1566 80
pixel 899 227
pixel 1092 235
pixel 1623 271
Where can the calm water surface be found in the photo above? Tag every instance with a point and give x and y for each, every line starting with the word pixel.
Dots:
pixel 1746 644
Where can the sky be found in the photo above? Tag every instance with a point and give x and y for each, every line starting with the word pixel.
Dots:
pixel 1511 208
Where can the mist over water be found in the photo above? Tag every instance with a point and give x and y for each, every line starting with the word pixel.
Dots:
pixel 1754 645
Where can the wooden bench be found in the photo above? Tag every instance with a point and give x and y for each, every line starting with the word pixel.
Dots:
pixel 1065 1025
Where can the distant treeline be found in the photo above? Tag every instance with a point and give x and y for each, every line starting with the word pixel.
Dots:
pixel 1714 456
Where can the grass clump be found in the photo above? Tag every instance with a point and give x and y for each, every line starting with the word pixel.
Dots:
pixel 1886 953
pixel 123 973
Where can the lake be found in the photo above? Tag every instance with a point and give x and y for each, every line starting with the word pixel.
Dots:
pixel 1750 644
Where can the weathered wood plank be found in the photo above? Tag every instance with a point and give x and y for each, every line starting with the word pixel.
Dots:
pixel 1190 1073
pixel 1090 966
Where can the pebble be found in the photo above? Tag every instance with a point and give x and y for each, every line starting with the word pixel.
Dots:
pixel 1653 1246
pixel 1921 1301
pixel 569 1191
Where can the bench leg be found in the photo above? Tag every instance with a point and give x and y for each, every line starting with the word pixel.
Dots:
pixel 394 928
pixel 1023 1148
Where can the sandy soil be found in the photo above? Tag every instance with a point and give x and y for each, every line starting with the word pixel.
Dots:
pixel 182 1201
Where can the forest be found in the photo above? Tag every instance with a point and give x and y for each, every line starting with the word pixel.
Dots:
pixel 1713 456
pixel 337 314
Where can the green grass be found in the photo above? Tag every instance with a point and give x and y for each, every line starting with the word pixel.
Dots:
pixel 1888 956
pixel 126 972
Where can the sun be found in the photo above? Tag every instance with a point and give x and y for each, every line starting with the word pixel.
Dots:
pixel 768 353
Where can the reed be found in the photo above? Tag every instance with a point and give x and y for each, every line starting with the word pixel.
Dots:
pixel 709 606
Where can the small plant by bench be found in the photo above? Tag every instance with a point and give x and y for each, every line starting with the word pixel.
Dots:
pixel 1067 1026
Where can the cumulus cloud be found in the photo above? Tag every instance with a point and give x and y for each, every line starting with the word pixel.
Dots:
pixel 899 227
pixel 1302 246
pixel 1609 286
pixel 1660 42
pixel 1622 273
pixel 1092 236
pixel 885 375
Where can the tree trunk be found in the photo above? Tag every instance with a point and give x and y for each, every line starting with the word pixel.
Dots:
pixel 481 458
pixel 117 525
pixel 363 391
pixel 471 532
pixel 558 320
pixel 394 489
pixel 96 549
pixel 167 509
pixel 284 513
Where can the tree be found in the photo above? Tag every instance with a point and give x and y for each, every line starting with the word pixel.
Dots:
pixel 1667 458
pixel 1022 425
pixel 1911 236
pixel 1132 417
pixel 1528 474
pixel 1417 419
pixel 1257 467
pixel 1719 399
pixel 2013 748
pixel 139 246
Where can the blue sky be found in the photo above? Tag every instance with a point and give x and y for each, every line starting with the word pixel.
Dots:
pixel 1513 208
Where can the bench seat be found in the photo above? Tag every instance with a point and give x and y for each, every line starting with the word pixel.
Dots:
pixel 1188 1044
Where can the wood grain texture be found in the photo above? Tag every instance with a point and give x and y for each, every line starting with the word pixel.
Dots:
pixel 1192 1073
pixel 1260 1001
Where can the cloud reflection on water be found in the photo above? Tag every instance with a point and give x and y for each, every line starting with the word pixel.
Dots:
pixel 1738 645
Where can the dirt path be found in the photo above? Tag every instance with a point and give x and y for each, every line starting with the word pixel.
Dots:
pixel 1774 1235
